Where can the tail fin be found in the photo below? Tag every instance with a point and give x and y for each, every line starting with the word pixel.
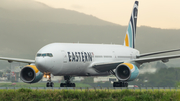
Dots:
pixel 129 40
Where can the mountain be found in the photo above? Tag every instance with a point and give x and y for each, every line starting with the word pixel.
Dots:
pixel 31 11
pixel 22 5
pixel 23 31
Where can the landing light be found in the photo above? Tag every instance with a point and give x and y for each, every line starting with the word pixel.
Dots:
pixel 45 76
pixel 48 76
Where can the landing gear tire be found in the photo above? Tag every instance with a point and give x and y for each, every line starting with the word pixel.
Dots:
pixel 73 85
pixel 120 84
pixel 68 85
pixel 49 84
pixel 126 84
pixel 62 85
pixel 68 82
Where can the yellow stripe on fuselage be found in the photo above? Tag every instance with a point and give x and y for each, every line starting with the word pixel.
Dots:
pixel 129 65
pixel 127 40
pixel 34 67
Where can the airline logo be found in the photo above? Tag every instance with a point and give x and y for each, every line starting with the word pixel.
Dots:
pixel 80 56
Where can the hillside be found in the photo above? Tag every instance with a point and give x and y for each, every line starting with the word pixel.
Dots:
pixel 25 29
pixel 32 11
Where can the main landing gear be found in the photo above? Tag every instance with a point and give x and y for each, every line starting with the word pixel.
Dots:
pixel 120 84
pixel 49 82
pixel 67 82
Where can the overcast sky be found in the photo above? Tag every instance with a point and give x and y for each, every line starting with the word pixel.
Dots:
pixel 153 13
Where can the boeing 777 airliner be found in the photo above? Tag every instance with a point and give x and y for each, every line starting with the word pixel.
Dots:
pixel 75 59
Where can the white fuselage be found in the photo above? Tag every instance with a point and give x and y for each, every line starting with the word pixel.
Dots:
pixel 77 59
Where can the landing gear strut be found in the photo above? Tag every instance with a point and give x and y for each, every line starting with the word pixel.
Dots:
pixel 120 84
pixel 49 82
pixel 68 82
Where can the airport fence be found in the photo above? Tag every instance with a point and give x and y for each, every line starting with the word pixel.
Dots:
pixel 97 88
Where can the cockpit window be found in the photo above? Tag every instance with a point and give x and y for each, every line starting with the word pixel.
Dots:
pixel 38 55
pixel 49 54
pixel 44 54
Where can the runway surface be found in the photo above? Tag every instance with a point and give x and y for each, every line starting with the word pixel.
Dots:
pixel 95 88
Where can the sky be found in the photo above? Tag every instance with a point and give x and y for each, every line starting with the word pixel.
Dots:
pixel 163 14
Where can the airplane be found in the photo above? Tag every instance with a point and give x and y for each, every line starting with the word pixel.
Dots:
pixel 77 59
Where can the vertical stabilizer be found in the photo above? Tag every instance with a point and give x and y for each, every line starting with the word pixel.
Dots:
pixel 129 40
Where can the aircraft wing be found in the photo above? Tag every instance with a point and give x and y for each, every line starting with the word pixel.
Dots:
pixel 17 60
pixel 103 67
pixel 151 59
pixel 159 52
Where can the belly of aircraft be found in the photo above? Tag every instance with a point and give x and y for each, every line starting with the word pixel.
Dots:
pixel 77 69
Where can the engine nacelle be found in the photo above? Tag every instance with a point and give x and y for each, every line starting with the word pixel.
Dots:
pixel 30 74
pixel 126 72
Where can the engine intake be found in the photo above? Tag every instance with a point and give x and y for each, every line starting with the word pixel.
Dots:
pixel 123 72
pixel 30 74
pixel 126 72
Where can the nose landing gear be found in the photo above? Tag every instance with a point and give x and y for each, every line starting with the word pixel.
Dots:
pixel 68 82
pixel 49 82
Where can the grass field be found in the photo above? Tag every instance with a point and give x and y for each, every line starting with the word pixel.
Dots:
pixel 87 95
pixel 41 84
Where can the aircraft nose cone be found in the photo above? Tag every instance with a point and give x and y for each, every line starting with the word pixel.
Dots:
pixel 41 64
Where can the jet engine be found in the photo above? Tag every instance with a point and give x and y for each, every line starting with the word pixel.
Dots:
pixel 126 72
pixel 30 74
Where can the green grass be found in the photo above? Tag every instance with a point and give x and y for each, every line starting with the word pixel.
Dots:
pixel 87 95
pixel 21 84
